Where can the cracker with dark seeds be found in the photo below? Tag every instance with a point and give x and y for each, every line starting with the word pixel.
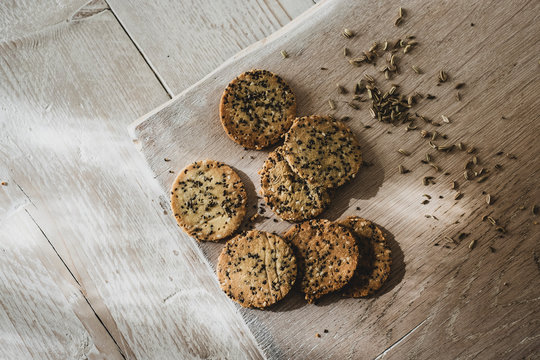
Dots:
pixel 327 255
pixel 287 194
pixel 208 200
pixel 322 151
pixel 256 269
pixel 374 268
pixel 257 108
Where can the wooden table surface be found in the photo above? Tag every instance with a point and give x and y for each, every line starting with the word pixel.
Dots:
pixel 91 262
pixel 89 265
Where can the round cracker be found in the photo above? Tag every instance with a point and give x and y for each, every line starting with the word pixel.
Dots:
pixel 257 108
pixel 374 269
pixel 327 255
pixel 256 269
pixel 208 200
pixel 323 151
pixel 287 194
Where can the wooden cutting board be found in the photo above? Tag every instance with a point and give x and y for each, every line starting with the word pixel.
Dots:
pixel 443 299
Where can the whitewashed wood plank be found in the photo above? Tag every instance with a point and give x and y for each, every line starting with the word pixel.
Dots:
pixel 444 301
pixel 185 40
pixel 68 94
pixel 43 314
pixel 20 18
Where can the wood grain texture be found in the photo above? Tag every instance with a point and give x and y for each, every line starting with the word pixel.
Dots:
pixel 68 93
pixel 443 300
pixel 43 314
pixel 197 36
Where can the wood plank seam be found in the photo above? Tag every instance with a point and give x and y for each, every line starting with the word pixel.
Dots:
pixel 381 355
pixel 146 60
pixel 73 276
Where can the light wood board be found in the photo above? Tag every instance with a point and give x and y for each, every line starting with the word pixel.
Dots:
pixel 442 300
pixel 184 40
pixel 68 92
pixel 43 313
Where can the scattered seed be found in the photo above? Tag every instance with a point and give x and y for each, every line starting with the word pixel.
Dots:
pixel 425 202
pixel 446 148
pixel 401 169
pixel 346 51
pixel 357 61
pixel 372 113
pixel 433 145
pixel 341 89
pixel 369 78
pixel 471 149
pixel 430 97
pixel 482 179
pixel 442 76
pixel 167 159
pixel 332 104
pixel 466 175
pixel 427 195
pixel 455 185
pixel 323 68
pixel 500 229
pixel 345 118
pixel 427 180
pixel 318 335
pixel 404 152
pixel 457 96
pixel 458 196
pixel 353 105
pixel 445 119
pixel 347 33
pixel 416 69
pixel 492 220
pixel 459 145
pixel 406 49
pixel 4 183
pixel 472 244
pixel 398 21
pixel 411 127
pixel 459 86
pixel 448 238
pixel 424 133
pixel 488 199
pixel 284 54
pixel 498 166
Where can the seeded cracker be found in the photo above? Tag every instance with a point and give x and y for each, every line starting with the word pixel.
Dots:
pixel 208 200
pixel 376 258
pixel 323 151
pixel 257 108
pixel 287 194
pixel 327 256
pixel 256 269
